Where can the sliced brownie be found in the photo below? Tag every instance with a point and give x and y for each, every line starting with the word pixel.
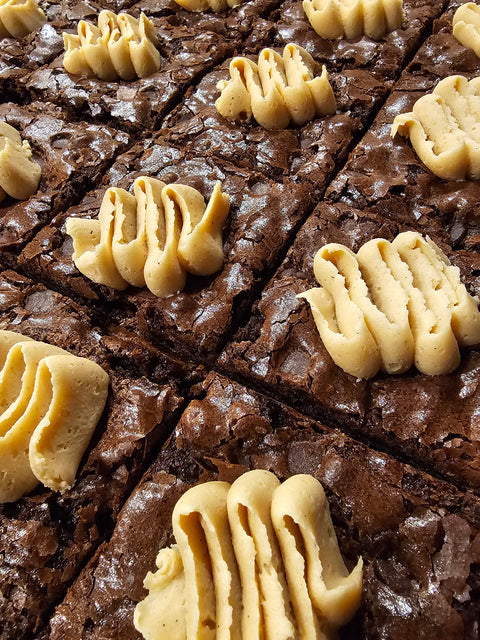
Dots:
pixel 430 420
pixel 385 174
pixel 419 537
pixel 313 151
pixel 72 155
pixel 186 51
pixel 263 215
pixel 45 537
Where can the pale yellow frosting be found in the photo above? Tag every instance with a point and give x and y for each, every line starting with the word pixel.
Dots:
pixel 466 26
pixel 19 17
pixel 50 403
pixel 444 128
pixel 277 91
pixel 392 305
pixel 260 560
pixel 204 5
pixel 333 19
pixel 19 175
pixel 120 47
pixel 151 238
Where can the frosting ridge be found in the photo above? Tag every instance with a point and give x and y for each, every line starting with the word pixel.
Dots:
pixel 392 305
pixel 119 47
pixel 151 238
pixel 277 91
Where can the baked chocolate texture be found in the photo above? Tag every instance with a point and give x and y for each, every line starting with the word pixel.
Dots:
pixel 419 537
pixel 263 215
pixel 383 190
pixel 73 157
pixel 46 537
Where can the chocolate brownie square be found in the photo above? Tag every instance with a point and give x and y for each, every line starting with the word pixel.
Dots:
pixel 384 57
pixel 385 174
pixel 46 537
pixel 429 420
pixel 20 56
pixel 361 73
pixel 310 153
pixel 72 155
pixel 263 215
pixel 419 537
pixel 187 50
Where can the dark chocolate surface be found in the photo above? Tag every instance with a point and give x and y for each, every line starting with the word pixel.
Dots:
pixel 197 319
pixel 419 538
pixel 72 155
pixel 430 420
pixel 45 537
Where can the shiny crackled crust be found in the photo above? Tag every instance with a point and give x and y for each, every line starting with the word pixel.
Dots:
pixel 72 156
pixel 197 319
pixel 411 530
pixel 46 537
pixel 280 349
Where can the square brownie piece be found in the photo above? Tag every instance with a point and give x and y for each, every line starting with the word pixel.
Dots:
pixel 19 57
pixel 73 156
pixel 361 73
pixel 187 50
pixel 385 175
pixel 195 322
pixel 419 537
pixel 429 420
pixel 46 537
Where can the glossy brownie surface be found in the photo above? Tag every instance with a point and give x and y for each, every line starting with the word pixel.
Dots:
pixel 419 538
pixel 262 216
pixel 72 156
pixel 45 537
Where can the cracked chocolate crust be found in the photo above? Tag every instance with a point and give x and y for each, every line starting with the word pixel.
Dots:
pixel 428 420
pixel 384 57
pixel 419 537
pixel 386 176
pixel 309 154
pixel 72 156
pixel 46 537
pixel 262 217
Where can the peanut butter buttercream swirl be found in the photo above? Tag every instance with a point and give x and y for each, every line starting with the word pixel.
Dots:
pixel 333 19
pixel 50 403
pixel 19 174
pixel 444 128
pixel 205 5
pixel 260 560
pixel 277 91
pixel 120 47
pixel 152 238
pixel 466 26
pixel 392 305
pixel 19 17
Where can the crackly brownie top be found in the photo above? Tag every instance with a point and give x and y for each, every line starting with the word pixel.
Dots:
pixel 310 152
pixel 72 156
pixel 261 218
pixel 289 23
pixel 63 529
pixel 281 347
pixel 419 538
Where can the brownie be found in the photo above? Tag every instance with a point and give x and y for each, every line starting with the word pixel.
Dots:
pixel 315 150
pixel 419 537
pixel 73 157
pixel 429 420
pixel 46 537
pixel 19 57
pixel 186 51
pixel 263 214
pixel 384 57
pixel 387 176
